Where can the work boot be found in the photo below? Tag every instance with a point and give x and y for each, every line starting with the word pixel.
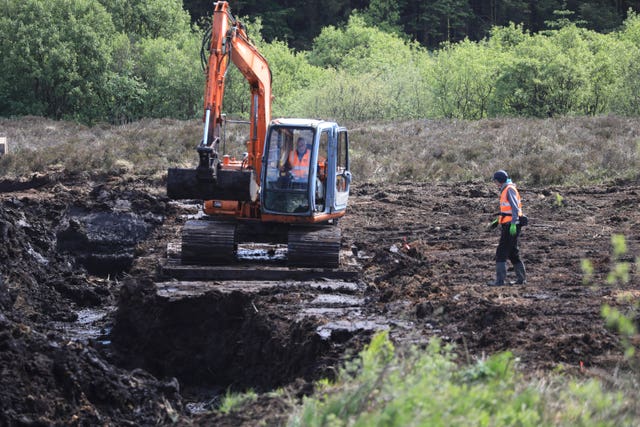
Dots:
pixel 501 274
pixel 521 274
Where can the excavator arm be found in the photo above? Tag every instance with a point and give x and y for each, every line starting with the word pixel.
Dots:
pixel 229 41
pixel 214 178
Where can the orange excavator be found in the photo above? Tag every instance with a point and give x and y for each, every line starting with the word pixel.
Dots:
pixel 290 188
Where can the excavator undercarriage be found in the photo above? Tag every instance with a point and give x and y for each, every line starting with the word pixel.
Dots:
pixel 226 250
pixel 215 242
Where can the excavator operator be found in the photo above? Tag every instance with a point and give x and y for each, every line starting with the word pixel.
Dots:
pixel 299 160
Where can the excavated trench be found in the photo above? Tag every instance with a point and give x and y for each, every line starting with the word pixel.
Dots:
pixel 217 338
pixel 214 334
pixel 237 334
pixel 86 270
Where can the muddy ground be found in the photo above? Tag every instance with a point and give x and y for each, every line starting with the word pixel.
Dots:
pixel 89 337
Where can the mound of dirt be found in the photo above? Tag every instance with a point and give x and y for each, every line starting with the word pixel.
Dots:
pixel 73 244
pixel 49 377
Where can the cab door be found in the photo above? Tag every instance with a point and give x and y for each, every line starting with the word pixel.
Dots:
pixel 342 172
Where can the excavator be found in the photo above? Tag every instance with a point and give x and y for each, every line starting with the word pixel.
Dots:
pixel 291 186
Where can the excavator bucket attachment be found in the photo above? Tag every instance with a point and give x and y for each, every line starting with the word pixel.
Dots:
pixel 228 185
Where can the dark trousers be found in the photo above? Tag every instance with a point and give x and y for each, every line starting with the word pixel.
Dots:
pixel 508 246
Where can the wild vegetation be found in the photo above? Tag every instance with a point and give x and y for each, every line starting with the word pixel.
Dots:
pixel 563 151
pixel 121 62
pixel 385 386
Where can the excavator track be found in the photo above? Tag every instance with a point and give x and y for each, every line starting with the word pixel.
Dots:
pixel 212 249
pixel 209 242
pixel 317 246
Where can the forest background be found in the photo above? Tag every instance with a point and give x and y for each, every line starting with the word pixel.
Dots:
pixel 117 62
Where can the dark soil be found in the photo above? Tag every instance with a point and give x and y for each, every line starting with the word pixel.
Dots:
pixel 77 244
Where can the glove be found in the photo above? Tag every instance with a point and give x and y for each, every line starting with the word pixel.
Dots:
pixel 513 229
pixel 493 224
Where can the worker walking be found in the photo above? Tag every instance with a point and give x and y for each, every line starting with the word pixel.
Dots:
pixel 511 220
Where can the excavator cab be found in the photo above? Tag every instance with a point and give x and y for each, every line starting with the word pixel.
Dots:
pixel 305 170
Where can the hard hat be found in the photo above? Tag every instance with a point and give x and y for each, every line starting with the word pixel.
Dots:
pixel 501 176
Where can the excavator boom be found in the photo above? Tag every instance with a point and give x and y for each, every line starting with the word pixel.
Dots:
pixel 213 179
pixel 229 41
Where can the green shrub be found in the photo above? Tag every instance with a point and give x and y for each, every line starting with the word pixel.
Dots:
pixel 463 80
pixel 385 386
pixel 173 84
pixel 54 56
pixel 233 401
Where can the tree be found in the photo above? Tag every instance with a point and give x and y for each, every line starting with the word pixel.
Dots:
pixel 508 37
pixel 435 21
pixel 626 97
pixel 54 55
pixel 602 63
pixel 174 83
pixel 292 74
pixel 149 18
pixel 383 15
pixel 124 91
pixel 548 75
pixel 599 15
pixel 358 48
pixel 463 79
pixel 377 74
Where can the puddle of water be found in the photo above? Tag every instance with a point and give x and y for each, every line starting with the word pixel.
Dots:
pixel 262 252
pixel 88 316
pixel 364 255
pixel 325 331
pixel 204 400
pixel 537 296
pixel 196 408
pixel 337 285
pixel 189 206
pixel 198 215
pixel 41 259
pixel 327 312
pixel 338 300
pixel 88 326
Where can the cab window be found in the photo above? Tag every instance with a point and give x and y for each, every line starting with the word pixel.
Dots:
pixel 342 163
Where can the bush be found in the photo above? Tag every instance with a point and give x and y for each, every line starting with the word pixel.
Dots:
pixel 463 80
pixel 173 84
pixel 127 60
pixel 54 56
pixel 386 386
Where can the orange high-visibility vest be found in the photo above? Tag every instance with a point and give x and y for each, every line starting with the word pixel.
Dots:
pixel 299 167
pixel 505 207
